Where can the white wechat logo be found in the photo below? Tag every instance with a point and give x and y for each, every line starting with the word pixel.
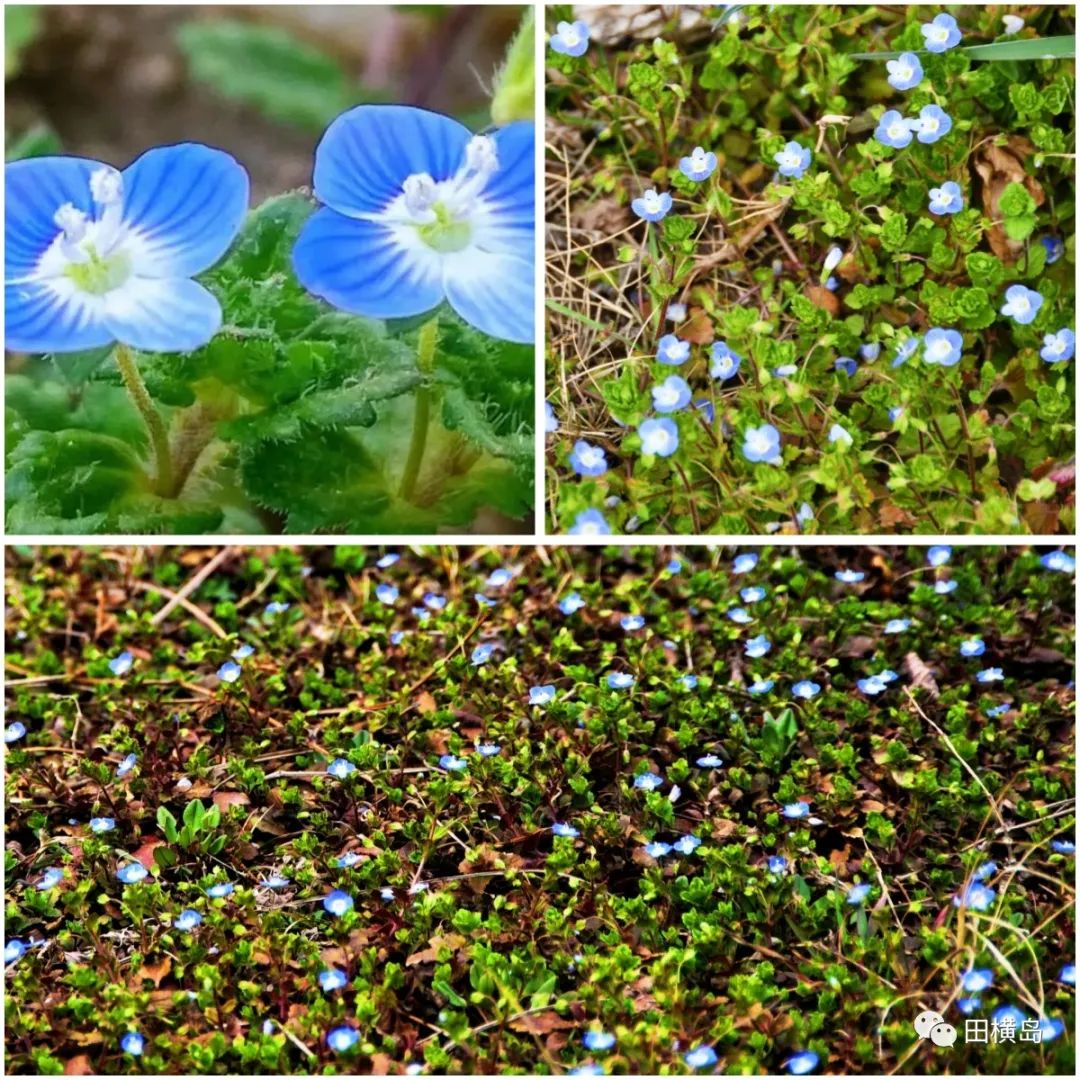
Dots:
pixel 931 1025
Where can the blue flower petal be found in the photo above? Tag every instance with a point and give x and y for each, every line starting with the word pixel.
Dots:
pixel 185 204
pixel 494 293
pixel 361 266
pixel 48 317
pixel 511 192
pixel 367 153
pixel 159 315
pixel 34 189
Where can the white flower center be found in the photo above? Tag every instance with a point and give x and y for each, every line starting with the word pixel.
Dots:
pixel 939 35
pixel 659 440
pixel 666 395
pixel 443 212
pixel 1055 344
pixel 590 457
pixel 904 70
pixel 1021 305
pixel 938 350
pixel 930 124
pixel 651 201
pixel 897 129
pixel 570 36
pixel 758 442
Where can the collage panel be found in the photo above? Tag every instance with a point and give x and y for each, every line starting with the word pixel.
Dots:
pixel 540 810
pixel 810 269
pixel 270 269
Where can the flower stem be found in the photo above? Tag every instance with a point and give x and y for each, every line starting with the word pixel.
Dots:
pixel 155 426
pixel 425 359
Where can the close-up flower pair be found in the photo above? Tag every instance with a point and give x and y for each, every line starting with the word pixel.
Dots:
pixel 416 210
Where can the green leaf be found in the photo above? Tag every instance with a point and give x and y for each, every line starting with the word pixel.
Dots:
pixel 1030 490
pixel 268 68
pixel 167 823
pixel 22 24
pixel 1062 47
pixel 441 986
pixel 37 141
pixel 514 92
pixel 193 814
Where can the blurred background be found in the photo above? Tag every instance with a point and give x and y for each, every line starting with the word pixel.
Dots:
pixel 262 82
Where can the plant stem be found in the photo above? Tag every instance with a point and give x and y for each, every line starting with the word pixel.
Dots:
pixel 425 359
pixel 155 426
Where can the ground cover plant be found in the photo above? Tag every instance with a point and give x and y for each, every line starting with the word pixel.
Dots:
pixel 353 355
pixel 506 810
pixel 810 269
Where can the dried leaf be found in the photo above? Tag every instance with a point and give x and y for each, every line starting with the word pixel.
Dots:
pixel 145 852
pixel 79 1065
pixel 224 799
pixel 540 1023
pixel 823 298
pixel 155 972
pixel 920 675
pixel 999 166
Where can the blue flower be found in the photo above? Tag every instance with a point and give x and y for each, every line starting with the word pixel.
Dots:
pixel 619 680
pixel 434 601
pixel 499 578
pixel 121 665
pixel 784 370
pixel 1055 248
pixel 242 652
pixel 488 749
pixel 386 593
pixel 1008 1016
pixel 590 523
pixel 709 761
pixel 762 444
pixel 872 686
pixel 331 979
pixel 839 434
pixel 938 555
pixel 229 672
pixel 127 765
pixel 541 695
pixel 657 849
pixel 752 594
pixel 739 615
pixel 700 1057
pixel 52 877
pixel 699 165
pixel 932 123
pixel 897 626
pixel 905 350
pixel 481 654
pixel 947 199
pixel 796 810
pixel 342 1039
pixel 857 894
pixel 102 824
pixel 969 1005
pixel 561 829
pixel 132 872
pixel 651 206
pixel 976 896
pixel 275 607
pixel 975 980
pixel 570 39
pixel 659 437
pixel 792 161
pixel 588 460
pixel 95 256
pixel 671 395
pixel 387 560
pixel 1058 347
pixel 590 1068
pixel 340 767
pixel 687 845
pixel 674 566
pixel 943 588
pixel 849 577
pixel 802 1062
pixel 274 881
pixel 846 365
pixel 571 603
pixel 833 258
pixel 743 564
pixel 1067 975
pixel 132 1043
pixel 1059 561
pixel 986 870
pixel 14 950
pixel 777 864
pixel 187 920
pixel 905 72
pixel 1050 1029
pixel 972 647
pixel 725 363
pixel 14 731
pixel 941 34
pixel 894 130
pixel 757 647
pixel 1021 304
pixel 221 890
pixel 350 858
pixel 997 710
pixel 451 763
pixel 648 781
pixel 419 210
pixel 337 903
pixel 806 689
pixel 943 347
pixel 895 413
pixel 598 1040
pixel 672 350
pixel 993 674
pixel 551 421
pixel 397 637
pixel 632 622
pixel 760 686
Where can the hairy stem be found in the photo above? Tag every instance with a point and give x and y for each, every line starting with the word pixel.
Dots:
pixel 192 434
pixel 425 358
pixel 155 426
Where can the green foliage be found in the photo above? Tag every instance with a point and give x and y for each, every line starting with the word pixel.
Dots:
pixel 962 449
pixel 22 24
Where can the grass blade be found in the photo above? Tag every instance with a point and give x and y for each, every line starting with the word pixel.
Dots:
pixel 1062 47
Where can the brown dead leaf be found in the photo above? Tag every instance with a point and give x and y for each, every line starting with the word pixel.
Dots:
pixel 604 217
pixel 823 298
pixel 997 167
pixel 920 675
pixel 425 703
pixel 224 799
pixel 154 972
pixel 144 853
pixel 1042 517
pixel 79 1065
pixel 891 516
pixel 541 1023
pixel 698 329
